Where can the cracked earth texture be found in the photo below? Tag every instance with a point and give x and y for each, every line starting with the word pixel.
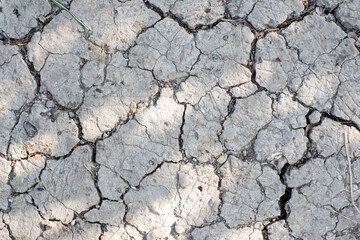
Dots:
pixel 179 119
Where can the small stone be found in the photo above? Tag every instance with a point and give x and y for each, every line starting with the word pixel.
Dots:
pixel 50 104
pixel 133 107
pixel 183 180
pixel 181 226
pixel 315 117
pixel 48 223
pixel 158 233
pixel 30 129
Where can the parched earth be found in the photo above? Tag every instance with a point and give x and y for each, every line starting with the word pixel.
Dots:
pixel 180 119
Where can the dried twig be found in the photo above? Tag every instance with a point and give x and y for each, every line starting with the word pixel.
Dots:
pixel 347 149
pixel 342 215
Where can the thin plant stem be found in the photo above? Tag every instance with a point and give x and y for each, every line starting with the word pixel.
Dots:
pixel 86 29
pixel 347 149
pixel 342 215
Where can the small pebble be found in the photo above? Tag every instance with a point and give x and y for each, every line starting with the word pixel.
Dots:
pixel 30 129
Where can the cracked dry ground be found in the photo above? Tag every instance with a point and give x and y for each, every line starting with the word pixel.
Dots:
pixel 179 119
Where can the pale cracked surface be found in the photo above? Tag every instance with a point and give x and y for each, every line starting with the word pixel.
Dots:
pixel 15 75
pixel 249 191
pixel 180 119
pixel 17 17
pixel 54 132
pixel 271 13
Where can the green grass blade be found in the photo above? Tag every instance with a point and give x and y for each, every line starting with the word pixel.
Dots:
pixel 86 29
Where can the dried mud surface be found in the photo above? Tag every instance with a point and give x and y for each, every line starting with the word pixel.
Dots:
pixel 179 119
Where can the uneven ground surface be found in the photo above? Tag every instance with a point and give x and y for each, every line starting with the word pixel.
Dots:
pixel 179 119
